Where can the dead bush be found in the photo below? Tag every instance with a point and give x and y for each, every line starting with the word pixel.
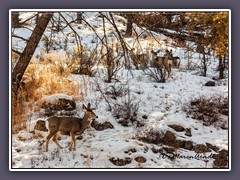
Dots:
pixel 82 61
pixel 152 136
pixel 19 112
pixel 111 62
pixel 209 110
pixel 126 112
pixel 116 90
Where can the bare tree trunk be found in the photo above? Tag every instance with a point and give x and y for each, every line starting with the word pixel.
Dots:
pixel 79 17
pixel 15 20
pixel 204 65
pixel 129 28
pixel 221 68
pixel 37 17
pixel 28 52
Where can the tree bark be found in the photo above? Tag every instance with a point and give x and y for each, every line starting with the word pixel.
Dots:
pixel 28 51
pixel 129 28
pixel 79 17
pixel 204 66
pixel 221 68
pixel 15 20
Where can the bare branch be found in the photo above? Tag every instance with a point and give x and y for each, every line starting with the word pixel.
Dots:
pixel 17 52
pixel 31 17
pixel 19 37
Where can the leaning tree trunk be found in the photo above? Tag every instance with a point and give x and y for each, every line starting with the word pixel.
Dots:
pixel 79 17
pixel 129 28
pixel 15 20
pixel 28 52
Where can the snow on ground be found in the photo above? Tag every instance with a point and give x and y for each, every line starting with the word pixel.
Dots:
pixel 162 102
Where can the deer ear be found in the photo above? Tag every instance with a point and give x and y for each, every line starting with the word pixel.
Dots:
pixel 84 107
pixel 88 106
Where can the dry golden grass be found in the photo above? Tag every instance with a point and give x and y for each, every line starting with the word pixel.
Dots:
pixel 19 113
pixel 40 80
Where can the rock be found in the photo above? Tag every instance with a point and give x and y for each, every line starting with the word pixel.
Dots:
pixel 169 138
pixel 210 83
pixel 130 151
pixel 121 162
pixel 181 143
pixel 221 159
pixel 201 148
pixel 188 132
pixel 169 150
pixel 188 145
pixel 144 116
pixel 224 112
pixel 58 102
pixel 214 148
pixel 140 159
pixel 224 126
pixel 176 127
pixel 101 126
pixel 155 150
pixel 125 122
pixel 40 125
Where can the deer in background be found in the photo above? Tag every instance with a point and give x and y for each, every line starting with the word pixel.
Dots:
pixel 164 62
pixel 138 59
pixel 71 126
pixel 175 59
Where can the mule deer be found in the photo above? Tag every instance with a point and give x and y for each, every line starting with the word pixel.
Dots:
pixel 138 59
pixel 164 62
pixel 176 60
pixel 68 126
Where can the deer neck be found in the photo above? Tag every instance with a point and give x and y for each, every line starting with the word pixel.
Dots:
pixel 85 118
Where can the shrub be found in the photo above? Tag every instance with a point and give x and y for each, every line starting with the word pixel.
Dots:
pixel 152 136
pixel 208 109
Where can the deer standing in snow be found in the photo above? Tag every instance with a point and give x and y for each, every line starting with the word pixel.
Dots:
pixel 71 126
pixel 175 59
pixel 139 60
pixel 164 62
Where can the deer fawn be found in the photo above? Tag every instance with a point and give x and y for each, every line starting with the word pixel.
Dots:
pixel 163 62
pixel 139 60
pixel 68 126
pixel 175 59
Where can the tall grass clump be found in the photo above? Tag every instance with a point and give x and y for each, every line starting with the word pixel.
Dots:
pixel 41 79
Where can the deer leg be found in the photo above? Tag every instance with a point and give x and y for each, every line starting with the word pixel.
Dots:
pixel 169 72
pixel 47 140
pixel 56 141
pixel 70 145
pixel 73 142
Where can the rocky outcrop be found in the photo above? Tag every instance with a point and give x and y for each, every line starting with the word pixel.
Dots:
pixel 120 162
pixel 101 126
pixel 58 103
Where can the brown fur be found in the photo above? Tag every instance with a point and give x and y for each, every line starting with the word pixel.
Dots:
pixel 163 62
pixel 68 126
pixel 139 60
